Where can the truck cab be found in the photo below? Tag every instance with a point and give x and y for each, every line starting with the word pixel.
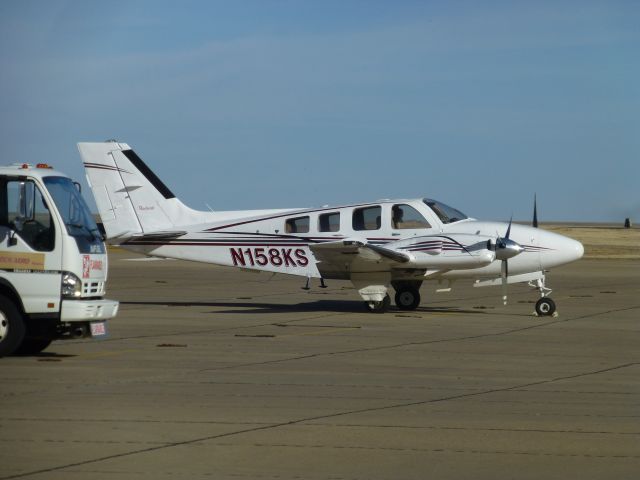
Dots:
pixel 53 262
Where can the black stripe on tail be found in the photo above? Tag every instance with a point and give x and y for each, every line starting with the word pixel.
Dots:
pixel 149 175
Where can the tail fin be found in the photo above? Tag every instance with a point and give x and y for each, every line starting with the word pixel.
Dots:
pixel 131 199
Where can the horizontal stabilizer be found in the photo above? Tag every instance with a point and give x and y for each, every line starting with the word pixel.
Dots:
pixel 160 235
pixel 129 236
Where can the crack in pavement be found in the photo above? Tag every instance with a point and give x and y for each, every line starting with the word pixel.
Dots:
pixel 319 417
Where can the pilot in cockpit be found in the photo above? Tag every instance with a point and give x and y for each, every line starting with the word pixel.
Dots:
pixel 396 216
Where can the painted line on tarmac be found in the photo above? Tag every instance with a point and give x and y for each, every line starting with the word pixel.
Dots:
pixel 323 417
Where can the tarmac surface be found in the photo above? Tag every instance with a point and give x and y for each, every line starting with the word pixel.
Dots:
pixel 211 372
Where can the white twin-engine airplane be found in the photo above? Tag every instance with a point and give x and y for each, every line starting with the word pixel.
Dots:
pixel 388 243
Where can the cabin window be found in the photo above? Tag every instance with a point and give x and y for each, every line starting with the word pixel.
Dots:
pixel 297 225
pixel 367 218
pixel 329 222
pixel 405 216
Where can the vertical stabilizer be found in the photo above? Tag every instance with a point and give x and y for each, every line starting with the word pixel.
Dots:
pixel 131 199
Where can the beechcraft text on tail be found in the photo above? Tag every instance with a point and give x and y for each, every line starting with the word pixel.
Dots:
pixel 378 246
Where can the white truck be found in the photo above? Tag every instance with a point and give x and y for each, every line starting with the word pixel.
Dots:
pixel 53 262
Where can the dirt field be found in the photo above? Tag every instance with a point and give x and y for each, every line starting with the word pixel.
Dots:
pixel 603 241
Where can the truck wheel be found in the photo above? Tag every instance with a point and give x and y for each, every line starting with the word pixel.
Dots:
pixel 32 345
pixel 11 327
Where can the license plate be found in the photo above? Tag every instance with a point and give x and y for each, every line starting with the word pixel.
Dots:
pixel 98 329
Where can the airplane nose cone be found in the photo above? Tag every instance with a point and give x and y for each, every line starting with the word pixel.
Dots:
pixel 569 250
pixel 578 249
pixel 559 250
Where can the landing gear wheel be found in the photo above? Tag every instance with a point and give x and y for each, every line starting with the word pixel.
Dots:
pixel 378 307
pixel 407 298
pixel 545 307
pixel 12 329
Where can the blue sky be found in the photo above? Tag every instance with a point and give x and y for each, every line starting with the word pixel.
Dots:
pixel 260 104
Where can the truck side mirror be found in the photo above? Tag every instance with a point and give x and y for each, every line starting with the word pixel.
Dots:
pixel 27 204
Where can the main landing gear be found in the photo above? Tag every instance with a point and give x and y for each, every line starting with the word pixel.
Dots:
pixel 407 298
pixel 545 307
pixel 407 295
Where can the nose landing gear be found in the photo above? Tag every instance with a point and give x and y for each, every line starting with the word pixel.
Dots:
pixel 545 307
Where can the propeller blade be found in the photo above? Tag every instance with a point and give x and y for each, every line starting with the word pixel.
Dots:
pixel 504 274
pixel 509 228
pixel 535 212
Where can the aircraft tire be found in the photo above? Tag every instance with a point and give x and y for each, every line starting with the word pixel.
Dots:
pixel 545 307
pixel 378 307
pixel 407 298
pixel 12 329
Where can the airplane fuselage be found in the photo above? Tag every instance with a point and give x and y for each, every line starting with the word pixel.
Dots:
pixel 280 240
pixel 378 245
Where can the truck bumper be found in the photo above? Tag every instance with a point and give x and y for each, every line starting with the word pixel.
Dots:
pixel 88 310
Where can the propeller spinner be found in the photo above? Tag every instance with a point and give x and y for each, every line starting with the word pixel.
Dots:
pixel 505 249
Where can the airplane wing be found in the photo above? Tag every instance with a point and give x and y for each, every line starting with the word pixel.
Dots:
pixel 343 253
pixel 439 253
pixel 367 266
pixel 395 255
pixel 372 268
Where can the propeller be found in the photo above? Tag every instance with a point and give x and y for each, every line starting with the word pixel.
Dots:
pixel 505 249
pixel 535 212
pixel 504 273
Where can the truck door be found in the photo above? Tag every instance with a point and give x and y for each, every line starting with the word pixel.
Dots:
pixel 30 246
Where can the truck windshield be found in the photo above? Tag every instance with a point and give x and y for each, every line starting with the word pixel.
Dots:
pixel 76 214
pixel 445 213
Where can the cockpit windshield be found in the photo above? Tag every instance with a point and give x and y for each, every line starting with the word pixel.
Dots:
pixel 445 213
pixel 76 214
